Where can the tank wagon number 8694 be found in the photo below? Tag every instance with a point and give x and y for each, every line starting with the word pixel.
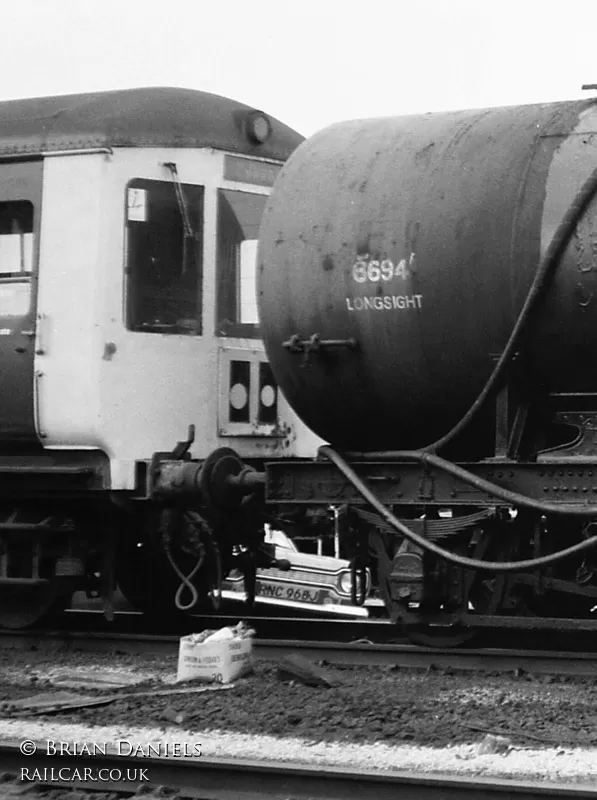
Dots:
pixel 374 270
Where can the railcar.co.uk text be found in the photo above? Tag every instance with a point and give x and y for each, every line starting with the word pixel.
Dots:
pixel 121 747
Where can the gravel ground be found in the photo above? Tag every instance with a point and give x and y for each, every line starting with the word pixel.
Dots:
pixel 375 717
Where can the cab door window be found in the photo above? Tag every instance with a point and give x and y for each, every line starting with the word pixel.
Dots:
pixel 239 217
pixel 164 257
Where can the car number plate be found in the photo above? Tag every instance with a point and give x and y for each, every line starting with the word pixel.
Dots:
pixel 299 594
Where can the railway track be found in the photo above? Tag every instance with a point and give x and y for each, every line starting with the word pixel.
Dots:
pixel 221 779
pixel 270 627
pixel 407 656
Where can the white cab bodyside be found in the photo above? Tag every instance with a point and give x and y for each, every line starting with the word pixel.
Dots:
pixel 99 385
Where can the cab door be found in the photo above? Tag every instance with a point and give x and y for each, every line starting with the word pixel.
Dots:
pixel 20 205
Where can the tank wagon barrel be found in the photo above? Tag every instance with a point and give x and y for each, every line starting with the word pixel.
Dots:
pixel 419 238
pixel 456 253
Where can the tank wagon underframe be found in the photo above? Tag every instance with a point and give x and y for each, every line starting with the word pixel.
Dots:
pixel 503 542
pixel 462 546
pixel 468 519
pixel 566 483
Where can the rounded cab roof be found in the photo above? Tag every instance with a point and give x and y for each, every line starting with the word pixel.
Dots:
pixel 147 117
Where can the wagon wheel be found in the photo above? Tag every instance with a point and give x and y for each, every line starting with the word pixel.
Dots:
pixel 144 573
pixel 444 637
pixel 484 597
pixel 23 606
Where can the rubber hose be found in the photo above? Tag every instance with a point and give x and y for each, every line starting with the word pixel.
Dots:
pixel 546 267
pixel 430 547
pixel 166 537
pixel 185 581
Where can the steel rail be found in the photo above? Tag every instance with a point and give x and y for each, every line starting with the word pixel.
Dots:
pixel 221 779
pixel 538 662
pixel 274 627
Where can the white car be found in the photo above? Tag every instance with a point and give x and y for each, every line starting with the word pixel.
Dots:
pixel 315 583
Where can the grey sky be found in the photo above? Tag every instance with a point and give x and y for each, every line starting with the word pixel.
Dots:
pixel 309 63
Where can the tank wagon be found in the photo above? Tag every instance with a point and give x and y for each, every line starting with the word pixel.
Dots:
pixel 137 400
pixel 427 288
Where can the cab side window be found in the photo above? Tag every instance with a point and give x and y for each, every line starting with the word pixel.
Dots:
pixel 164 224
pixel 239 217
pixel 16 239
pixel 16 257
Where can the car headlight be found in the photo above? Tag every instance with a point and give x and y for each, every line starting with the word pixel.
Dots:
pixel 345 583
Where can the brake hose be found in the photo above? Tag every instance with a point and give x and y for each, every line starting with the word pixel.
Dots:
pixel 431 547
pixel 215 593
pixel 185 581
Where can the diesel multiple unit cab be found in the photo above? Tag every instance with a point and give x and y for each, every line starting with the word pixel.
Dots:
pixel 128 324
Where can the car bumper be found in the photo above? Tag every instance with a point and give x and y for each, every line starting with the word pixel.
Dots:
pixel 334 609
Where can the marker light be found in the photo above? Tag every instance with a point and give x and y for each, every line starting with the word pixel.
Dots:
pixel 258 127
